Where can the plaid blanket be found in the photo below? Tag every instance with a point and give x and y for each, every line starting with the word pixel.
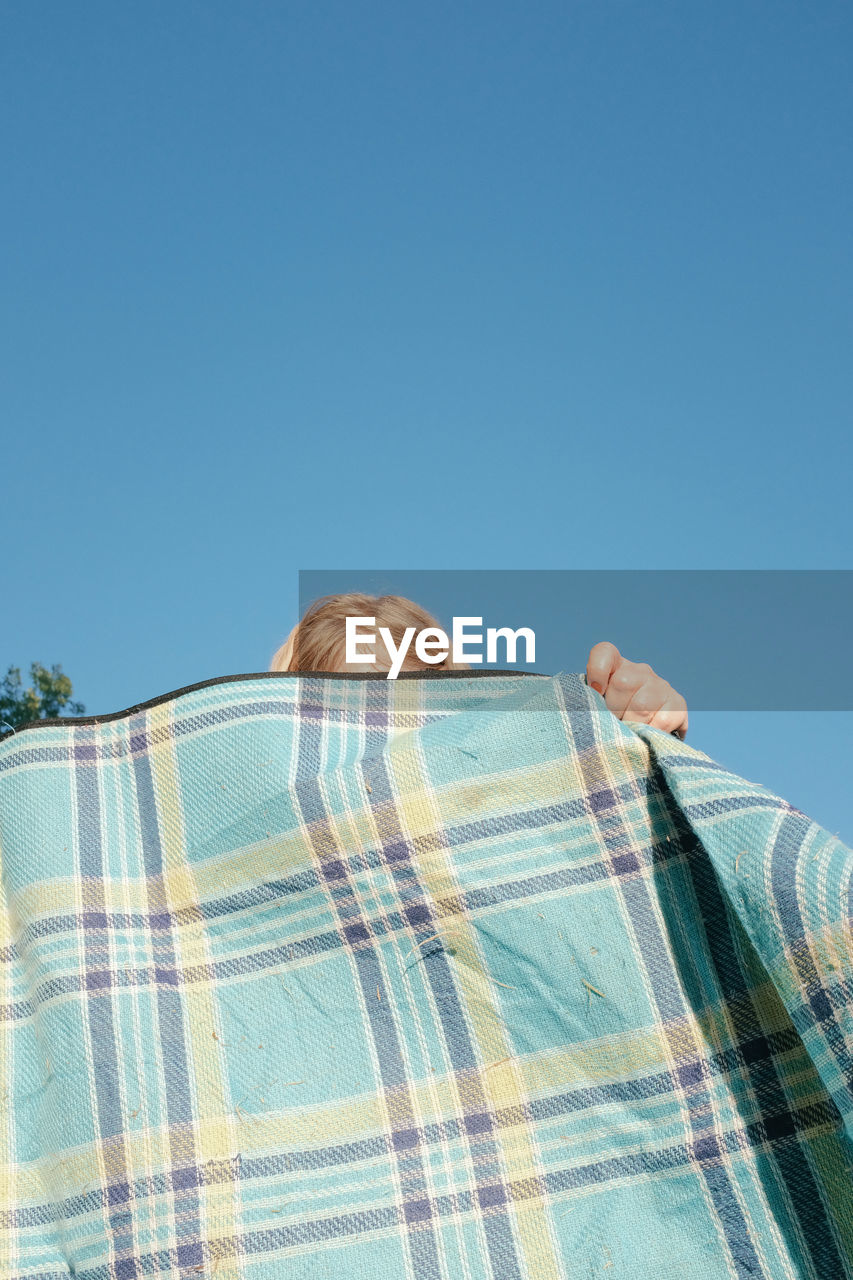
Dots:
pixel 450 977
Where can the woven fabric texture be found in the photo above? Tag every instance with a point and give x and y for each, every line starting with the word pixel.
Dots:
pixel 438 978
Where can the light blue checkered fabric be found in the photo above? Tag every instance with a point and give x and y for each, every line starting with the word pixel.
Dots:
pixel 447 978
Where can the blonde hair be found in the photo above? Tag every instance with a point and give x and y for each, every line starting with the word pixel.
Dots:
pixel 317 642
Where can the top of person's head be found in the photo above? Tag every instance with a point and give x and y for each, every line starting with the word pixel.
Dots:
pixel 318 641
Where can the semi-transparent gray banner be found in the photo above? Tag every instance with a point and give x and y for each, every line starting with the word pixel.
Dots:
pixel 728 639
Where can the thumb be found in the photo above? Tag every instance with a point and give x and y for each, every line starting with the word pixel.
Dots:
pixel 603 659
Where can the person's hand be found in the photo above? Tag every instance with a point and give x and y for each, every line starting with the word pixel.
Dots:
pixel 632 691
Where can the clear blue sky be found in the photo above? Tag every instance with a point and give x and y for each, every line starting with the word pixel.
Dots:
pixel 497 285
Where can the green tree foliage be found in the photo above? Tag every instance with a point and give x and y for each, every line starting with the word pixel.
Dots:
pixel 48 697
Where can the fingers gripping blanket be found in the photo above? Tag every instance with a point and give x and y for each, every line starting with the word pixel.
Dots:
pixel 447 977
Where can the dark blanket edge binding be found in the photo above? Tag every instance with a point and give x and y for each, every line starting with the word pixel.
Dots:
pixel 107 717
pixel 261 675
